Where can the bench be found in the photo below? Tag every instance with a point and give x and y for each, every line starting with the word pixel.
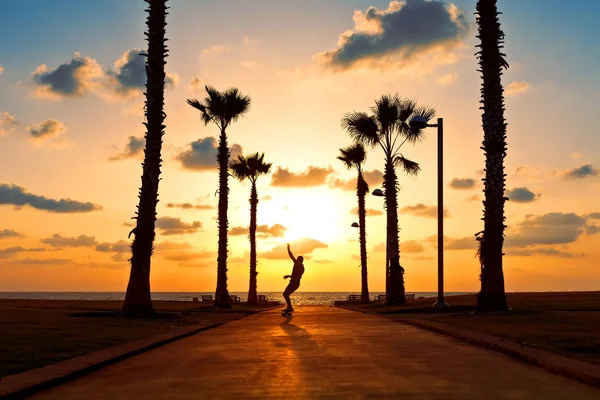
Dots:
pixel 381 297
pixel 354 297
pixel 262 299
pixel 234 299
pixel 206 298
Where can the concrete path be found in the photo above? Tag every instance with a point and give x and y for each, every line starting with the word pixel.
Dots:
pixel 320 353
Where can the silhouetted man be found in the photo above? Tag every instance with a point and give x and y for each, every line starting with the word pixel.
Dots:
pixel 296 275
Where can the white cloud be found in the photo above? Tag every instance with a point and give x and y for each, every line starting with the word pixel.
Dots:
pixel 196 85
pixel 7 123
pixel 448 79
pixel 216 49
pixel 51 130
pixel 398 35
pixel 515 88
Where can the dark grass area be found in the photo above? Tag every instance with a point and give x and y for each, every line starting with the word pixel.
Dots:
pixel 565 323
pixel 34 333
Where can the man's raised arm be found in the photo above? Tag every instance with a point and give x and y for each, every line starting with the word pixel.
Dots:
pixel 290 253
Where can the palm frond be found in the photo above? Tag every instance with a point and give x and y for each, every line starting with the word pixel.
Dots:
pixel 353 155
pixel 239 168
pixel 406 109
pixel 414 135
pixel 387 111
pixel 410 167
pixel 205 116
pixel 426 112
pixel 257 165
pixel 215 105
pixel 347 162
pixel 236 104
pixel 196 104
pixel 362 128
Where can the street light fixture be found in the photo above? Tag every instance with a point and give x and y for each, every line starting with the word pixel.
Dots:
pixel 378 193
pixel 355 225
pixel 420 122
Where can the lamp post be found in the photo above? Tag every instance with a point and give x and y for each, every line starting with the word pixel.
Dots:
pixel 420 122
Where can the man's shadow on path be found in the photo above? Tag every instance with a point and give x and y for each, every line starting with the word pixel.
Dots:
pixel 301 339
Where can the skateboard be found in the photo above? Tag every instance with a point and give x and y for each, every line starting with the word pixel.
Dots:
pixel 286 313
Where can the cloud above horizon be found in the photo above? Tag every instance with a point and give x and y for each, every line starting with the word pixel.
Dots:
pixel 276 230
pixel 422 210
pixel 134 147
pixel 201 155
pixel 18 196
pixel 128 74
pixel 515 88
pixel 7 123
pixel 122 246
pixel 522 195
pixel 543 251
pixel 450 243
pixel 57 240
pixel 400 33
pixel 374 179
pixel 411 246
pixel 12 251
pixel 190 206
pixel 175 226
pixel 216 49
pixel 82 75
pixel 582 171
pixel 186 255
pixel 462 183
pixel 196 85
pixel 371 212
pixel 10 233
pixel 301 247
pixel 312 176
pixel 49 129
pixel 550 229
pixel 74 78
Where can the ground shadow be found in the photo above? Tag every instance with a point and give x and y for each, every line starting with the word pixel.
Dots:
pixel 115 314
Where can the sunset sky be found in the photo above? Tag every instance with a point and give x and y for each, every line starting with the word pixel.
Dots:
pixel 71 141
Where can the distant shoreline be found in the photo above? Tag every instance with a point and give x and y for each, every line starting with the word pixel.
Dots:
pixel 299 298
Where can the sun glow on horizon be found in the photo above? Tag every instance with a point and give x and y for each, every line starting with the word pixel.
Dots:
pixel 313 213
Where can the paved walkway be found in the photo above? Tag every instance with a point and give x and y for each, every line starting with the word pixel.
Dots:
pixel 320 353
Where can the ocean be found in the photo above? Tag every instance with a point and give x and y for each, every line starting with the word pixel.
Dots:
pixel 298 298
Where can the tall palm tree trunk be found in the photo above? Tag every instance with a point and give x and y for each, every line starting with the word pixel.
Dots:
pixel 252 297
pixel 221 293
pixel 491 60
pixel 138 302
pixel 362 213
pixel 395 289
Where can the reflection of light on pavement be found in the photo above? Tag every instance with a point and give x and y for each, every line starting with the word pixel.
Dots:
pixel 288 379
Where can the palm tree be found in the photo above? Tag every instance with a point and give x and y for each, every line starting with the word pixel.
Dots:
pixel 388 126
pixel 222 109
pixel 491 61
pixel 251 168
pixel 138 302
pixel 353 157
